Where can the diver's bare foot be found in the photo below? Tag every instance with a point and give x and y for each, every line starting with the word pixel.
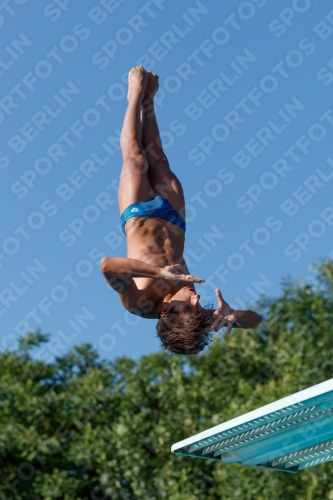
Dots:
pixel 151 86
pixel 137 79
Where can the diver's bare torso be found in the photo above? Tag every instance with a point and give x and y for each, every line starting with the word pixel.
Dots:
pixel 159 243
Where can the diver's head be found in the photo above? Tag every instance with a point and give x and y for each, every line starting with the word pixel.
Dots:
pixel 184 326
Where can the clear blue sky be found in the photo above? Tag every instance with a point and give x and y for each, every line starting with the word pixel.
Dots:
pixel 246 113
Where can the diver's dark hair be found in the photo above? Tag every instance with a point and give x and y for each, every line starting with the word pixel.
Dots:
pixel 184 333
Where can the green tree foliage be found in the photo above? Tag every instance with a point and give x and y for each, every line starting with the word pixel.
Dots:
pixel 84 429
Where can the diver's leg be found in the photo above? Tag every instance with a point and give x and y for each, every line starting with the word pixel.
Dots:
pixel 163 181
pixel 134 185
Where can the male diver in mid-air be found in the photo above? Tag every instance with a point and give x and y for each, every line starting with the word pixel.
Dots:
pixel 153 281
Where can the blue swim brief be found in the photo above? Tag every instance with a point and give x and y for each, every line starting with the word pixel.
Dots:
pixel 158 207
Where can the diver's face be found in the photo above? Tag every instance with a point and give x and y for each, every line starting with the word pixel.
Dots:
pixel 186 300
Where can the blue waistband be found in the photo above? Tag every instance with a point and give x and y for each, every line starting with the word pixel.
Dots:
pixel 158 207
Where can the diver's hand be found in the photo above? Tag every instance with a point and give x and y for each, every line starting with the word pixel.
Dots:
pixel 224 314
pixel 175 273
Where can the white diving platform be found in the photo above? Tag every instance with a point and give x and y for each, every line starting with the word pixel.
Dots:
pixel 289 435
